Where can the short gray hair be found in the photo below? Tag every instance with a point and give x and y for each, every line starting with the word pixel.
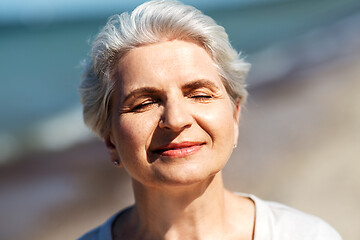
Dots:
pixel 149 23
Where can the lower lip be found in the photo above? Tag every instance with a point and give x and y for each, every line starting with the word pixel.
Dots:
pixel 181 152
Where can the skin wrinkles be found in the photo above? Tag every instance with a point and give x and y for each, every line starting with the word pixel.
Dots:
pixel 174 87
pixel 198 90
pixel 173 127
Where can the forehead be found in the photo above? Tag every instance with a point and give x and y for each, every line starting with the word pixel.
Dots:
pixel 166 62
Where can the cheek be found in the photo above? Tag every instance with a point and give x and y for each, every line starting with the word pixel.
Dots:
pixel 133 132
pixel 127 129
pixel 219 123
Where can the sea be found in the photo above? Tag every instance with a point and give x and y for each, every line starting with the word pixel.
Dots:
pixel 41 59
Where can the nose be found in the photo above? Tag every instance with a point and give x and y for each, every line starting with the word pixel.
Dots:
pixel 176 116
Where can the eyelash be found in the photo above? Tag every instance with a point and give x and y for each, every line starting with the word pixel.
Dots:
pixel 201 97
pixel 144 105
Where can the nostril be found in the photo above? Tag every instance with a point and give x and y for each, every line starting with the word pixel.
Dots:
pixel 161 123
pixel 176 116
pixel 175 123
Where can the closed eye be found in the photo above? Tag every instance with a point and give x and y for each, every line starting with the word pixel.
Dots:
pixel 144 105
pixel 200 97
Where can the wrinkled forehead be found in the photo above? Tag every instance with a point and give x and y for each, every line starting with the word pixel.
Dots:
pixel 163 63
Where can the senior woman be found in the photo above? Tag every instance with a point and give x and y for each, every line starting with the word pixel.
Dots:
pixel 164 90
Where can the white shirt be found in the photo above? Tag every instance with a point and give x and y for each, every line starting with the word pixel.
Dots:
pixel 274 221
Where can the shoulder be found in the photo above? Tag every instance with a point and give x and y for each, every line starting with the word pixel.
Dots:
pixel 102 232
pixel 283 222
pixel 92 235
pixel 291 222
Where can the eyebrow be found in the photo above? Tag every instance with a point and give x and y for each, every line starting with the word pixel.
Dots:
pixel 140 91
pixel 199 84
pixel 187 87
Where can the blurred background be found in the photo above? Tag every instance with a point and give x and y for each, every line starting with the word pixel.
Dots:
pixel 300 132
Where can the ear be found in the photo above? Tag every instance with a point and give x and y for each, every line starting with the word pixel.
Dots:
pixel 110 146
pixel 237 115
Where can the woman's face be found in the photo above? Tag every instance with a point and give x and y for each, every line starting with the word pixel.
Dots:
pixel 173 122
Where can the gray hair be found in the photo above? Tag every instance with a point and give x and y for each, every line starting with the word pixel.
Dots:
pixel 149 23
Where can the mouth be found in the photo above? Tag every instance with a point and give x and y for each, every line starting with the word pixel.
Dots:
pixel 178 149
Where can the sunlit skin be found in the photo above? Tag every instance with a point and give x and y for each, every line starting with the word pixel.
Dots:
pixel 173 129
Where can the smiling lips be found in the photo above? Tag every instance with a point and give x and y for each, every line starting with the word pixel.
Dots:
pixel 179 149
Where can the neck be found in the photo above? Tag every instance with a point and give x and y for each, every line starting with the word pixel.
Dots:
pixel 181 212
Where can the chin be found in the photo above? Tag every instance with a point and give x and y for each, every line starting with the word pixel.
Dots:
pixel 185 176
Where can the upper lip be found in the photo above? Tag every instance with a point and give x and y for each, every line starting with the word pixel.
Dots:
pixel 169 146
